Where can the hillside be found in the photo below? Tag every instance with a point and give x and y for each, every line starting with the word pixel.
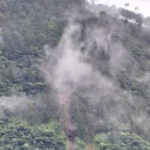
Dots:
pixel 73 76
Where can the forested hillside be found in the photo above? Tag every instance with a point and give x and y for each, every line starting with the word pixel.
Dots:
pixel 73 76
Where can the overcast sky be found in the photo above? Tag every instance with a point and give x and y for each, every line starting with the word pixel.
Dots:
pixel 143 5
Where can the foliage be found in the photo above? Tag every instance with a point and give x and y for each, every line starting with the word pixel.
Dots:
pixel 25 32
pixel 123 141
pixel 15 135
pixel 25 27
pixel 79 144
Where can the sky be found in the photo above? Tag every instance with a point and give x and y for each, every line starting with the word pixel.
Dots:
pixel 142 5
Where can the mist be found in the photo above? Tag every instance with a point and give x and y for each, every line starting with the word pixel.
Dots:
pixel 86 64
pixel 92 78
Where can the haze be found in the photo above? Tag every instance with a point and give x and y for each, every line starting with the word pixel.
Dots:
pixel 142 5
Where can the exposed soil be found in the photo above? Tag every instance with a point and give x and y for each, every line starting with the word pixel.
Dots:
pixel 65 120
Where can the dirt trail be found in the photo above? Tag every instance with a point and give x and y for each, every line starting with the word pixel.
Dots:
pixel 66 122
pixel 70 145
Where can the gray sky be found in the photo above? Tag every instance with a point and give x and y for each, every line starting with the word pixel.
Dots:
pixel 143 5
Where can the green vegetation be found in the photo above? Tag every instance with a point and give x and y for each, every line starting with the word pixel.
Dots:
pixel 16 135
pixel 24 33
pixel 120 141
pixel 119 97
pixel 80 145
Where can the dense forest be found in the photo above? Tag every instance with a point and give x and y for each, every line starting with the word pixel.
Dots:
pixel 73 76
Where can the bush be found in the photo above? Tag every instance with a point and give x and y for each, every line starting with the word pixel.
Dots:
pixel 122 141
pixel 15 135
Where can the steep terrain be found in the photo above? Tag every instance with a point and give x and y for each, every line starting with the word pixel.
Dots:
pixel 76 76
